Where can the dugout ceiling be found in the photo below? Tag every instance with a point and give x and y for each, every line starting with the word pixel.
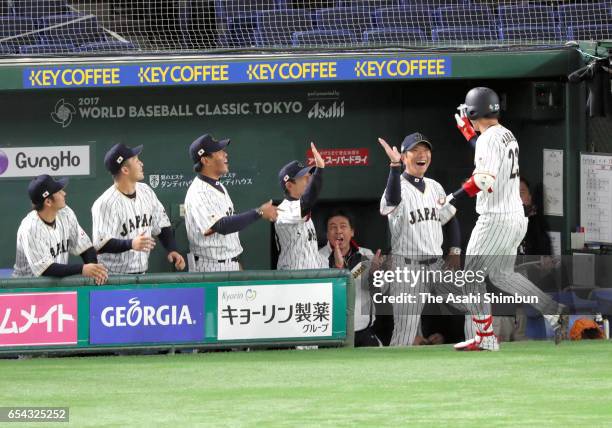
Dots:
pixel 69 130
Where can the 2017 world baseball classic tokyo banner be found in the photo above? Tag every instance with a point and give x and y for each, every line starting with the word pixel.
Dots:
pixel 237 71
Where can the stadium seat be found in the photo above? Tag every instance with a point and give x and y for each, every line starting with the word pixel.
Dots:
pixel 7 49
pixel 5 8
pixel 11 26
pixel 535 327
pixel 603 297
pixel 529 34
pixel 477 16
pixel 194 27
pixel 368 3
pixel 239 32
pixel 585 14
pixel 46 49
pixel 275 28
pixel 323 38
pixel 526 15
pixel 69 30
pixel 404 17
pixel 226 9
pixel 575 303
pixel 463 34
pixel 395 35
pixel 589 32
pixel 356 19
pixel 106 45
pixel 435 3
pixel 38 8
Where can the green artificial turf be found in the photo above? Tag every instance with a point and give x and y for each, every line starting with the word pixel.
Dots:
pixel 525 384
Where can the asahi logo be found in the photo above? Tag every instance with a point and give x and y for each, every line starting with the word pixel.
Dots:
pixel 322 110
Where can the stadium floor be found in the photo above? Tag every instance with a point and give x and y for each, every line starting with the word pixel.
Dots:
pixel 527 383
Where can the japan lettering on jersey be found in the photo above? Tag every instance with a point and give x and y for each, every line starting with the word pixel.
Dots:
pixel 416 223
pixel 497 153
pixel 40 245
pixel 296 239
pixel 204 206
pixel 117 216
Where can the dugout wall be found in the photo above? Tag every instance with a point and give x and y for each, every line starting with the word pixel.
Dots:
pixel 218 310
pixel 271 121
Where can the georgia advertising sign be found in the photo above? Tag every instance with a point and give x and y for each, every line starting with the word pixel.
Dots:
pixel 37 319
pixel 146 316
pixel 274 311
pixel 52 160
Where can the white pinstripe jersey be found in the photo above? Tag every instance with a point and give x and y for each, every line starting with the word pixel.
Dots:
pixel 40 245
pixel 415 225
pixel 296 239
pixel 497 153
pixel 204 206
pixel 117 216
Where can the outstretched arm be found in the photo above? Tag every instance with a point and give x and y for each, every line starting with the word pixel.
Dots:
pixel 311 194
pixel 237 222
pixel 393 194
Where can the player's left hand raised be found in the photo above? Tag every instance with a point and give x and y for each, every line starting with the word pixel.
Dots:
pixel 176 259
pixel 392 153
pixel 319 162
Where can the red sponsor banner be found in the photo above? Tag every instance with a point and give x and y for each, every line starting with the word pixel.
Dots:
pixel 341 157
pixel 38 319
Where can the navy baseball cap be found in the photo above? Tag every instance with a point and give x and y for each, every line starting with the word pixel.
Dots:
pixel 413 139
pixel 293 170
pixel 205 144
pixel 117 154
pixel 43 186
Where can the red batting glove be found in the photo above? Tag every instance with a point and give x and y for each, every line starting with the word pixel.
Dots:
pixel 465 127
pixel 471 188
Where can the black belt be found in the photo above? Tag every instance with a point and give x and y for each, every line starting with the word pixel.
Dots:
pixel 233 259
pixel 421 262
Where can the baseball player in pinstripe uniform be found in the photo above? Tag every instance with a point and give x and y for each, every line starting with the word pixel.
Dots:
pixel 296 237
pixel 128 215
pixel 411 204
pixel 50 233
pixel 501 224
pixel 212 225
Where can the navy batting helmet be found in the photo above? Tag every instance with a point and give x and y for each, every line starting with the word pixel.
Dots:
pixel 481 102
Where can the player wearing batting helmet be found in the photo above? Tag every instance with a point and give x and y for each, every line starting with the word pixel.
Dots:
pixel 501 223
